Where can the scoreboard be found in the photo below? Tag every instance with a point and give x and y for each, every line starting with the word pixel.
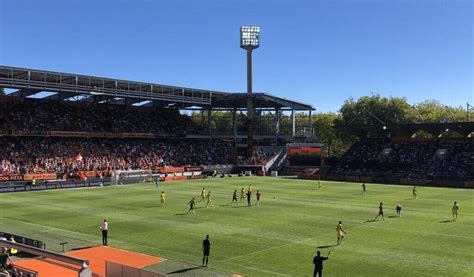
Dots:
pixel 306 154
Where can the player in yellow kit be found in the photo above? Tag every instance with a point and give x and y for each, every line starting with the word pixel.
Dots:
pixel 340 233
pixel 162 196
pixel 209 200
pixel 203 194
pixel 242 194
pixel 455 210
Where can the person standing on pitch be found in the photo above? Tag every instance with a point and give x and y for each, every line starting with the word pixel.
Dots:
pixel 318 263
pixel 364 188
pixel 455 210
pixel 234 197
pixel 380 212
pixel 398 209
pixel 249 196
pixel 206 249
pixel 242 194
pixel 414 192
pixel 258 194
pixel 203 194
pixel 191 204
pixel 340 233
pixel 105 229
pixel 209 199
pixel 162 197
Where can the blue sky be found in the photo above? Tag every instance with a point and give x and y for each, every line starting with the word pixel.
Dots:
pixel 319 52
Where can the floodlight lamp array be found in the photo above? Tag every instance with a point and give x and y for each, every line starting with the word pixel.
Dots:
pixel 249 36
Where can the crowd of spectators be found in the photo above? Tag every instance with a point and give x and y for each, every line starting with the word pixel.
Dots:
pixel 34 115
pixel 428 159
pixel 20 155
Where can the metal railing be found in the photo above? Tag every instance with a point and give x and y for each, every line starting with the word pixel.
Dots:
pixel 80 263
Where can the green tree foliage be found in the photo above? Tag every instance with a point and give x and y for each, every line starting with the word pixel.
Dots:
pixel 376 110
pixel 323 125
pixel 434 111
pixel 396 110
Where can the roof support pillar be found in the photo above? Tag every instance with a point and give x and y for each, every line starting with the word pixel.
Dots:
pixel 234 123
pixel 209 121
pixel 293 122
pixel 202 118
pixel 277 123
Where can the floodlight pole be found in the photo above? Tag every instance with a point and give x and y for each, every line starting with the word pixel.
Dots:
pixel 250 40
pixel 249 69
pixel 250 146
pixel 468 110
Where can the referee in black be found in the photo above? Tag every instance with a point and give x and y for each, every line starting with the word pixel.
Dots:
pixel 318 263
pixel 206 248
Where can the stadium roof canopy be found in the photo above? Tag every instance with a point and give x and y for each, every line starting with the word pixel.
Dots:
pixel 261 100
pixel 75 87
pixel 464 129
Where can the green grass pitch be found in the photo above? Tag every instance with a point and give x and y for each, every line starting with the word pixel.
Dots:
pixel 278 238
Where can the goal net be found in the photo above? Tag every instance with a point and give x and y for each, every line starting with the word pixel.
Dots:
pixel 124 177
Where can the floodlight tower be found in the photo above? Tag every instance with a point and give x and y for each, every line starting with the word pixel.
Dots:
pixel 249 40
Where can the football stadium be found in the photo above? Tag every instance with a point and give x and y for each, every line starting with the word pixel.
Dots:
pixel 103 176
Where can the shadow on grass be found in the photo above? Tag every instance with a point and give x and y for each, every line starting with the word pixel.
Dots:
pixel 183 270
pixel 242 206
pixel 327 246
pixel 393 216
pixel 184 213
pixel 446 221
pixel 371 220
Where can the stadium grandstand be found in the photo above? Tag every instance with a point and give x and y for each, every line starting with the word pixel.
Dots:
pixel 59 126
pixel 395 155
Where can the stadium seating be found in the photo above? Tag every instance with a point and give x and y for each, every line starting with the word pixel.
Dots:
pixel 37 116
pixel 448 159
pixel 20 155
